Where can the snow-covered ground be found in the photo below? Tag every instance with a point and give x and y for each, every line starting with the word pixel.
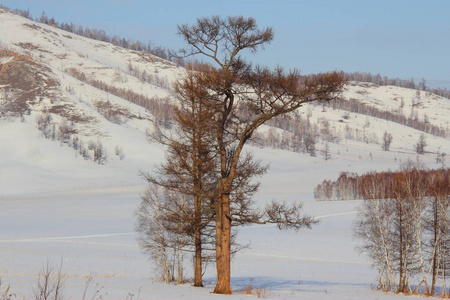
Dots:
pixel 57 206
pixel 88 223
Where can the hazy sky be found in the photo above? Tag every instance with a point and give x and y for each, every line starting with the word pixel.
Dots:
pixel 396 38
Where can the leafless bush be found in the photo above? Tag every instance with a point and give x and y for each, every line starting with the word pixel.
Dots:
pixel 96 294
pixel 259 293
pixel 98 150
pixel 441 158
pixel 119 152
pixel 65 129
pixel 50 283
pixel 309 142
pixel 84 152
pixel 43 122
pixel 6 295
pixel 262 293
pixel 248 289
pixel 421 144
pixel 100 153
pixel 387 140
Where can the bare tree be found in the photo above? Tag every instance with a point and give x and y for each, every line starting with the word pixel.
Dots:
pixel 326 151
pixel 387 140
pixel 403 227
pixel 309 142
pixel 409 191
pixel 437 226
pixel 373 228
pixel 189 170
pixel 244 98
pixel 421 144
pixel 158 237
pixel 441 157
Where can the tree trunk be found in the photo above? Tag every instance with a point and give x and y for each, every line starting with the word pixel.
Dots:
pixel 198 281
pixel 198 273
pixel 435 248
pixel 401 273
pixel 223 250
pixel 180 266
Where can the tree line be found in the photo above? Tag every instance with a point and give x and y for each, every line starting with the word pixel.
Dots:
pixel 101 35
pixel 403 226
pixel 406 83
pixel 355 106
pixel 351 186
pixel 161 108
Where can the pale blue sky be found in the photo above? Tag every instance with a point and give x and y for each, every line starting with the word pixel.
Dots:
pixel 396 38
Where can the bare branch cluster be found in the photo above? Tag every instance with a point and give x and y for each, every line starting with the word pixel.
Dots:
pixel 288 216
pixel 6 294
pixel 50 282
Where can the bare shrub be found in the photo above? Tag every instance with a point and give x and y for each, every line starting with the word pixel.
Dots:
pixel 262 293
pixel 100 153
pixel 50 283
pixel 387 140
pixel 6 295
pixel 421 144
pixel 119 152
pixel 96 294
pixel 248 289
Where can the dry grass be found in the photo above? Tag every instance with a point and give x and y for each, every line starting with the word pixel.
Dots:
pixel 24 83
pixel 259 293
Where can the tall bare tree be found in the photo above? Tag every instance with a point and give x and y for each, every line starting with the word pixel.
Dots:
pixel 437 225
pixel 244 98
pixel 153 238
pixel 189 169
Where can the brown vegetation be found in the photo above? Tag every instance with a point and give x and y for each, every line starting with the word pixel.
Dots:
pixel 24 82
pixel 161 108
pixel 370 186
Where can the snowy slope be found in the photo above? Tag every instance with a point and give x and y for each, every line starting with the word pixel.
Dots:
pixel 55 204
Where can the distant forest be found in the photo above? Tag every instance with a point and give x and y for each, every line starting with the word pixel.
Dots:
pixel 167 54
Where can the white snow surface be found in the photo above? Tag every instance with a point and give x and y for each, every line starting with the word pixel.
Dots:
pixel 56 206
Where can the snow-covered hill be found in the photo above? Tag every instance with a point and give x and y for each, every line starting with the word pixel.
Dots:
pixel 59 201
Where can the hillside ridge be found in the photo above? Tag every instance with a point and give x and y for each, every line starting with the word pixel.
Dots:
pixel 74 89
